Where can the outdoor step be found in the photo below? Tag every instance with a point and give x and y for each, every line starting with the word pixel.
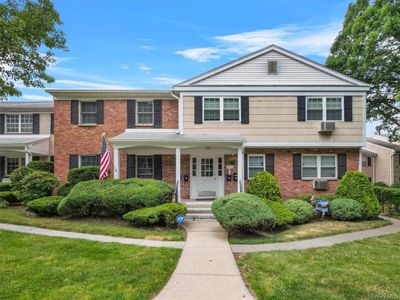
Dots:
pixel 192 216
pixel 198 204
pixel 199 209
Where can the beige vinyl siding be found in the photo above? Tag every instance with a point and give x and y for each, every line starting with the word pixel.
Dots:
pixel 274 119
pixel 396 168
pixel 382 161
pixel 44 125
pixel 255 72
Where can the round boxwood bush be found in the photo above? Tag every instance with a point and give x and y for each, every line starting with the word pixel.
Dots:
pixel 265 185
pixel 36 185
pixel 346 209
pixel 164 214
pixel 17 175
pixel 283 215
pixel 355 185
pixel 303 210
pixel 83 174
pixel 243 212
pixel 46 206
pixel 9 196
pixel 114 197
pixel 65 189
pixel 41 165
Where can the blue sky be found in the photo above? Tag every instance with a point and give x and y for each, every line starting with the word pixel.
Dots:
pixel 155 44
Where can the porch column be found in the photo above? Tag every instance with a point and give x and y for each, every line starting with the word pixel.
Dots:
pixel 28 156
pixel 240 182
pixel 116 163
pixel 178 173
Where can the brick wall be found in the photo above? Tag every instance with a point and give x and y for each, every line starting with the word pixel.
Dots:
pixel 230 186
pixel 168 172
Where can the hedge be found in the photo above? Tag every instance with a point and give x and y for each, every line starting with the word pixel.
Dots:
pixel 282 213
pixel 46 206
pixel 114 197
pixel 346 209
pixel 9 196
pixel 41 165
pixel 5 186
pixel 303 210
pixel 17 175
pixel 164 214
pixel 389 198
pixel 83 174
pixel 243 212
pixel 265 185
pixel 3 204
pixel 36 185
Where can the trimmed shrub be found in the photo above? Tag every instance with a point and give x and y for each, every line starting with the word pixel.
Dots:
pixel 5 186
pixel 9 196
pixel 303 210
pixel 243 212
pixel 389 198
pixel 162 214
pixel 36 185
pixel 283 215
pixel 3 204
pixel 65 189
pixel 346 209
pixel 17 175
pixel 380 183
pixel 114 197
pixel 355 185
pixel 46 206
pixel 41 165
pixel 265 185
pixel 395 185
pixel 83 174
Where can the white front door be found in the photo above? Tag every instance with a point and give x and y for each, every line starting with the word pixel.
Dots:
pixel 207 177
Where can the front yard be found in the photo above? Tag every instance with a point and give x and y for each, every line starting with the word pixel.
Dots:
pixel 367 269
pixel 37 267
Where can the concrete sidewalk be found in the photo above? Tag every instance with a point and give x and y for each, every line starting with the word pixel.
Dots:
pixel 207 268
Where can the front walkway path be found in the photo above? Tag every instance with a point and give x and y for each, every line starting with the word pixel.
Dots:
pixel 207 268
pixel 323 241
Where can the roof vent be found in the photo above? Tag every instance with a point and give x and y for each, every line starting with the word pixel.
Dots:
pixel 272 67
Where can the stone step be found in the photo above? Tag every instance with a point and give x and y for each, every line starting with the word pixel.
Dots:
pixel 194 216
pixel 199 210
pixel 198 204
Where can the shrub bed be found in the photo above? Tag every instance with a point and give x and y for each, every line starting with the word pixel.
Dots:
pixel 243 212
pixel 5 186
pixel 3 204
pixel 114 197
pixel 389 198
pixel 78 175
pixel 307 197
pixel 41 165
pixel 17 175
pixel 346 209
pixel 283 215
pixel 36 185
pixel 265 185
pixel 164 214
pixel 9 196
pixel 46 206
pixel 303 210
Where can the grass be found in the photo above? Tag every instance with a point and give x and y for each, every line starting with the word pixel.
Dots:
pixel 367 269
pixel 37 267
pixel 113 227
pixel 318 228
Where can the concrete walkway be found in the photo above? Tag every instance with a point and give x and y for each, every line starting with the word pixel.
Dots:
pixel 322 242
pixel 207 268
pixel 91 237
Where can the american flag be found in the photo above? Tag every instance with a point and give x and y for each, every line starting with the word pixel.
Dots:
pixel 105 159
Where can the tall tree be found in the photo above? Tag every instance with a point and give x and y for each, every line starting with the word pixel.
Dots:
pixel 368 48
pixel 28 33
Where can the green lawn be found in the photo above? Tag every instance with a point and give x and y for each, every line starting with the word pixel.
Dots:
pixel 114 227
pixel 307 231
pixel 38 267
pixel 368 269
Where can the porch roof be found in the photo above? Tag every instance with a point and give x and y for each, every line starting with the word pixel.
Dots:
pixel 21 140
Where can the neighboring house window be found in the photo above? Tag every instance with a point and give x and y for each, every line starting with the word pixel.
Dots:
pixel 144 112
pixel 89 160
pixel 325 108
pixel 364 161
pixel 145 167
pixel 256 163
pixel 14 163
pixel 88 112
pixel 19 123
pixel 369 162
pixel 221 109
pixel 319 166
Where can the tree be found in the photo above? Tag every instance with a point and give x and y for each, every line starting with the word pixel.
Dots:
pixel 28 33
pixel 368 48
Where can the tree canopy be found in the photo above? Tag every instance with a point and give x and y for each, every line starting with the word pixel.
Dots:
pixel 28 33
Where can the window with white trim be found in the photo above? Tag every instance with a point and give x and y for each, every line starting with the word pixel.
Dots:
pixel 255 164
pixel 319 166
pixel 89 160
pixel 88 112
pixel 221 109
pixel 145 166
pixel 324 108
pixel 144 112
pixel 19 123
pixel 13 163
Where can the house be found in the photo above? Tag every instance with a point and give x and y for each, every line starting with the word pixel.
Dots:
pixel 271 110
pixel 26 133
pixel 382 160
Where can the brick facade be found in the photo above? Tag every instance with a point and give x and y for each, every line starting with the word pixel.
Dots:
pixel 168 171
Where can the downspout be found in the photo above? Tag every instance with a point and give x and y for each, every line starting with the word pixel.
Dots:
pixel 391 168
pixel 180 111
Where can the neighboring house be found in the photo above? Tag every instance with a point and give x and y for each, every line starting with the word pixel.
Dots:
pixel 271 110
pixel 25 134
pixel 386 161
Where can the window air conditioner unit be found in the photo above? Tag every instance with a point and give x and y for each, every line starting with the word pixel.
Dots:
pixel 327 127
pixel 320 185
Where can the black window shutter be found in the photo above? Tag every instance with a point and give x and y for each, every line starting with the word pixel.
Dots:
pixel 157 113
pixel 131 166
pixel 198 110
pixel 52 123
pixel 270 163
pixel 301 108
pixel 2 123
pixel 131 110
pixel 244 105
pixel 297 166
pixel 100 111
pixel 158 167
pixel 36 123
pixel 246 171
pixel 74 111
pixel 73 162
pixel 2 167
pixel 98 158
pixel 342 164
pixel 348 108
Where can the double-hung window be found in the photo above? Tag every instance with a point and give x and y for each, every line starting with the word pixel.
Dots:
pixel 255 164
pixel 319 166
pixel 145 166
pixel 89 160
pixel 325 108
pixel 19 123
pixel 13 163
pixel 144 112
pixel 212 110
pixel 221 109
pixel 88 112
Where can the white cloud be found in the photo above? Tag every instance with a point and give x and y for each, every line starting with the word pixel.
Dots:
pixel 36 97
pixel 125 67
pixel 167 80
pixel 144 68
pixel 305 40
pixel 91 85
pixel 147 47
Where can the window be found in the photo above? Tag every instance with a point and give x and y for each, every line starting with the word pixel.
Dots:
pixel 194 166
pixel 319 166
pixel 219 166
pixel 207 167
pixel 14 163
pixel 145 167
pixel 364 161
pixel 88 112
pixel 256 163
pixel 369 162
pixel 89 160
pixel 19 123
pixel 272 67
pixel 221 109
pixel 325 108
pixel 144 112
